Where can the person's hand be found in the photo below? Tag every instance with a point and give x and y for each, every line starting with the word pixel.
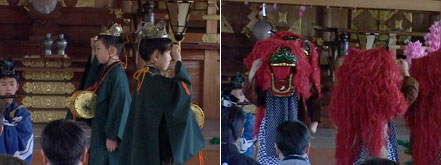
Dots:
pixel 1 129
pixel 111 145
pixel 256 65
pixel 175 53
pixel 3 105
pixel 313 127
pixel 404 67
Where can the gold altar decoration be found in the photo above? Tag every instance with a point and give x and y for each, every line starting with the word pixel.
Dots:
pixel 43 116
pixel 363 19
pixel 211 17
pixel 283 17
pixel 225 25
pixel 83 103
pixel 296 27
pixel 253 19
pixel 200 8
pixel 4 3
pixel 85 3
pixel 49 87
pixel 48 75
pixel 37 61
pixel 46 101
pixel 211 38
pixel 198 114
pixel 395 21
pixel 34 63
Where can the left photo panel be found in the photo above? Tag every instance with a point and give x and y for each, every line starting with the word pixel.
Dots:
pixel 110 82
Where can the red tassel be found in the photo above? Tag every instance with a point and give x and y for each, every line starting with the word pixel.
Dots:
pixel 201 158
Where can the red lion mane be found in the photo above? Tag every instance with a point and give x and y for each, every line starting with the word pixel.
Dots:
pixel 424 115
pixel 366 96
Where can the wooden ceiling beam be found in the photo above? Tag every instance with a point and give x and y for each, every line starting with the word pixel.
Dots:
pixel 417 5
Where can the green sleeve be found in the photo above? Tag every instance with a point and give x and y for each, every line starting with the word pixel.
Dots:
pixel 181 73
pixel 119 104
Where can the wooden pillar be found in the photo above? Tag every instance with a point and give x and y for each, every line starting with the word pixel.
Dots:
pixel 211 89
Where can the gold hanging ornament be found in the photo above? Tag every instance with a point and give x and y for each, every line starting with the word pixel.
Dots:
pixel 83 103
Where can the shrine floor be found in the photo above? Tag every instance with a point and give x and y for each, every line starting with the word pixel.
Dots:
pixel 211 152
pixel 322 149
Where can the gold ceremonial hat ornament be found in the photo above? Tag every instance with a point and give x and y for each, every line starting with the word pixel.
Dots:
pixel 115 30
pixel 148 30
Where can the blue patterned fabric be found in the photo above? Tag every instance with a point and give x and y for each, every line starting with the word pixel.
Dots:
pixel 392 147
pixel 248 133
pixel 277 110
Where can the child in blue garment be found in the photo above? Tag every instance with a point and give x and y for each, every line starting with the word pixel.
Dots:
pixel 233 94
pixel 17 138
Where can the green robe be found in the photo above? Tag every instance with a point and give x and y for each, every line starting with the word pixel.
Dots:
pixel 112 107
pixel 161 109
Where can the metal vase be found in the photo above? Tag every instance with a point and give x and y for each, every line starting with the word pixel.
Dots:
pixel 61 44
pixel 47 44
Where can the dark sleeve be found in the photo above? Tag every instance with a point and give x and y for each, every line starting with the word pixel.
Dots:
pixel 253 94
pixel 410 89
pixel 181 73
pixel 313 106
pixel 119 102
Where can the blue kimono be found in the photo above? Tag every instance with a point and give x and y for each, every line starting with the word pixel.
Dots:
pixel 17 138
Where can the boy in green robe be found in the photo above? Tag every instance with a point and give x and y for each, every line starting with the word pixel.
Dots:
pixel 113 97
pixel 161 128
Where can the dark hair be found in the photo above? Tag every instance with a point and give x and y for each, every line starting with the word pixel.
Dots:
pixel 108 41
pixel 379 161
pixel 292 137
pixel 10 160
pixel 236 82
pixel 63 142
pixel 7 69
pixel 148 46
pixel 233 120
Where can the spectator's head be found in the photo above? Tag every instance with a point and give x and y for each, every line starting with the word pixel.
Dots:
pixel 233 120
pixel 379 161
pixel 236 82
pixel 8 78
pixel 63 142
pixel 292 138
pixel 10 160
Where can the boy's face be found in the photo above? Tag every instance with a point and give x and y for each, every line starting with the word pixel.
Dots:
pixel 102 53
pixel 8 86
pixel 163 61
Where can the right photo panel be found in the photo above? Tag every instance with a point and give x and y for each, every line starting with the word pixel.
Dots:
pixel 330 82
